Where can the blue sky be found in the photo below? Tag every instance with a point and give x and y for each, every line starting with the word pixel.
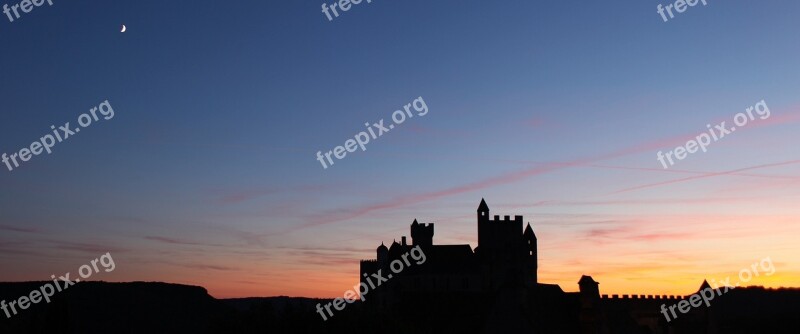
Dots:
pixel 208 169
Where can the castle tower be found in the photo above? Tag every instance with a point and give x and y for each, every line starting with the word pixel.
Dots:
pixel 483 211
pixel 383 254
pixel 591 313
pixel 421 234
pixel 532 258
pixel 502 237
pixel 507 258
pixel 483 223
pixel 589 288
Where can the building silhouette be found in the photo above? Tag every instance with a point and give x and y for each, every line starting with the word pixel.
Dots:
pixel 506 256
pixel 496 287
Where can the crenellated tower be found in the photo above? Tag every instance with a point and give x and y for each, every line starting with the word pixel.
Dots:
pixel 421 234
pixel 507 253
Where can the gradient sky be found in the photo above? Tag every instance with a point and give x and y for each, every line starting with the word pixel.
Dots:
pixel 553 110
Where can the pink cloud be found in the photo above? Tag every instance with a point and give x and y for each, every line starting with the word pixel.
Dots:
pixel 535 122
pixel 511 177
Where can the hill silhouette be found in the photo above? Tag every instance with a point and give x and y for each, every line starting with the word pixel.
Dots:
pixel 99 307
pixel 141 307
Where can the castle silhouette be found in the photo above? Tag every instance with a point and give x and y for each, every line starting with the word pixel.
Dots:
pixel 497 282
pixel 506 256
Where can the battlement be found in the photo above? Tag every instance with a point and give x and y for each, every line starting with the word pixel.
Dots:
pixel 422 234
pixel 507 218
pixel 642 297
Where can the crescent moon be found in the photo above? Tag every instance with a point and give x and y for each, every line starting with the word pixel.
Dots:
pixel 124 28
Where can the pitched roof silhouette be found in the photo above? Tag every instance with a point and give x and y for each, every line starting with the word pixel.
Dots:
pixel 529 231
pixel 705 285
pixel 586 279
pixel 483 206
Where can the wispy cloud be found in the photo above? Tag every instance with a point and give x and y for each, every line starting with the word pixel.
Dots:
pixel 242 195
pixel 19 229
pixel 87 248
pixel 201 266
pixel 697 177
pixel 660 201
pixel 177 241
pixel 511 177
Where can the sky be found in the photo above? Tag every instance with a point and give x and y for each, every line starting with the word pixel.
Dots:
pixel 207 173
